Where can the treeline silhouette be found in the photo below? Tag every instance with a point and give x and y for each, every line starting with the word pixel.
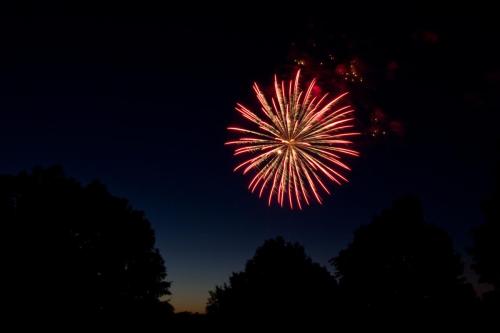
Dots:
pixel 80 255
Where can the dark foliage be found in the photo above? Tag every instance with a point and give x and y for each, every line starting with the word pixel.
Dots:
pixel 279 284
pixel 399 267
pixel 486 248
pixel 80 254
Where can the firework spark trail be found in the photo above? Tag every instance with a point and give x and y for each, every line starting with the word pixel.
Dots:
pixel 296 144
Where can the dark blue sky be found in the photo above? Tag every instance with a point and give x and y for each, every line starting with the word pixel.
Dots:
pixel 142 103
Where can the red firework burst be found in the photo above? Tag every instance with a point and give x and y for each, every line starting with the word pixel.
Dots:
pixel 296 144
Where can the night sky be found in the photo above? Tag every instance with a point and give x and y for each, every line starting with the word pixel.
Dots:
pixel 141 101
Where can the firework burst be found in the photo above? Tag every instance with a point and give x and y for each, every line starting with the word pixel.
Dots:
pixel 297 144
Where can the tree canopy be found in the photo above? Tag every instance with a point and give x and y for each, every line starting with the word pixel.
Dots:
pixel 486 247
pixel 82 252
pixel 279 283
pixel 400 264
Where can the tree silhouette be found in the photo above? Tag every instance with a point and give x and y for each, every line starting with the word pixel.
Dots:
pixel 401 266
pixel 486 248
pixel 280 283
pixel 86 254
